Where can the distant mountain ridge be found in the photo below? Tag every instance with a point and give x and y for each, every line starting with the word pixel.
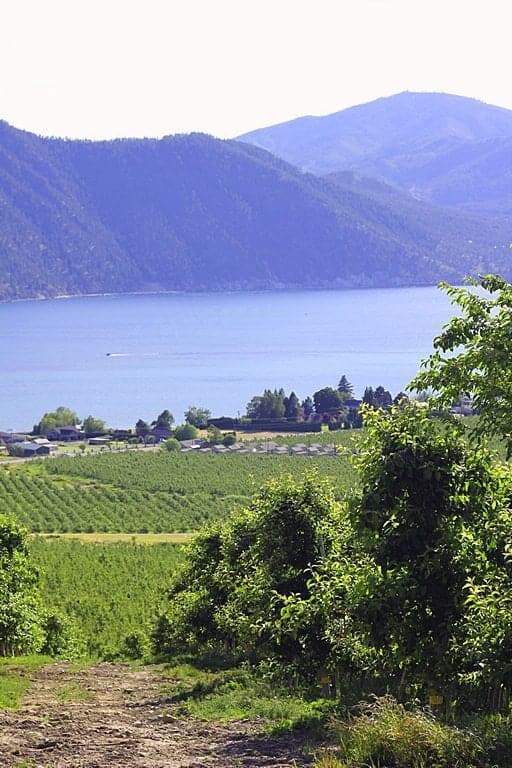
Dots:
pixel 193 213
pixel 449 150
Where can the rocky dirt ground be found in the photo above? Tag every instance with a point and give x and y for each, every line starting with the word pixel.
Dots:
pixel 112 716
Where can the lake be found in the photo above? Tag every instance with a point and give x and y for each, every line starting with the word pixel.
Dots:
pixel 127 357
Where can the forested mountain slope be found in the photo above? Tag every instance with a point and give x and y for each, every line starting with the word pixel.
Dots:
pixel 447 149
pixel 196 213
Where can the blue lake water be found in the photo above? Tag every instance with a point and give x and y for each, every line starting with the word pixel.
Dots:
pixel 122 358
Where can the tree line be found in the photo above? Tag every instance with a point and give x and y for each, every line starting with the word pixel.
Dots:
pixel 334 406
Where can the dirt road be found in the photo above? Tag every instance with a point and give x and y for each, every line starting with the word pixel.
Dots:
pixel 108 716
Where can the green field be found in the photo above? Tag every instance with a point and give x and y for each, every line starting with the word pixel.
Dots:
pixel 110 591
pixel 92 518
pixel 154 492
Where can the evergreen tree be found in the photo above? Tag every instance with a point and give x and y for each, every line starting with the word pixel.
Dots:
pixel 345 388
pixel 308 407
pixel 382 398
pixel 292 409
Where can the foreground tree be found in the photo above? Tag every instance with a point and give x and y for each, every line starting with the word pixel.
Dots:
pixel 20 609
pixel 425 498
pixel 473 356
pixel 247 583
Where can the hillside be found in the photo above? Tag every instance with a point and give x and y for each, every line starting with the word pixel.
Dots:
pixel 446 149
pixel 196 213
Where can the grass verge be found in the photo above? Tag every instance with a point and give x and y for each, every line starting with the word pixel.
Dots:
pixel 16 677
pixel 236 694
pixel 385 733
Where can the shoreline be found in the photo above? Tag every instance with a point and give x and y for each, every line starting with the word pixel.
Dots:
pixel 209 291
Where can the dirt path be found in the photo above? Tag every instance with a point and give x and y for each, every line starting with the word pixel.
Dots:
pixel 108 716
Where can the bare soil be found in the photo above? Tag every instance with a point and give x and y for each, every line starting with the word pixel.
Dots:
pixel 115 716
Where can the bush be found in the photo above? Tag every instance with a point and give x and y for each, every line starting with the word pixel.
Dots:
pixel 186 432
pixel 61 637
pixel 171 444
pixel 20 607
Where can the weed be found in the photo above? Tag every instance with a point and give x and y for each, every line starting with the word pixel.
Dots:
pixel 73 692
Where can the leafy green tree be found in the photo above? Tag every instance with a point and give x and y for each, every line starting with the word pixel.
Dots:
pixel 164 419
pixel 214 435
pixel 142 428
pixel 345 388
pixel 198 417
pixel 401 399
pixel 327 399
pixel 473 355
pixel 247 582
pixel 62 417
pixel 186 432
pixel 269 405
pixel 20 608
pixel 425 496
pixel 91 425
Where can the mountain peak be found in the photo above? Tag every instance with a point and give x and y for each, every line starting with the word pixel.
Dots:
pixel 398 123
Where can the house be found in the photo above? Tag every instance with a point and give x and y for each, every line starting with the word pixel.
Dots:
pixel 65 434
pixel 10 437
pixel 122 434
pixel 464 407
pixel 28 449
pixel 352 404
pixel 193 444
pixel 160 433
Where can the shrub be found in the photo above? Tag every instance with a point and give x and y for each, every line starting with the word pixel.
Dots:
pixel 186 432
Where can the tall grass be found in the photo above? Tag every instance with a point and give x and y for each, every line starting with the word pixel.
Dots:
pixel 383 733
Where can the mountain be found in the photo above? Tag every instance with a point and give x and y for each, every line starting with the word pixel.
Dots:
pixel 449 150
pixel 196 213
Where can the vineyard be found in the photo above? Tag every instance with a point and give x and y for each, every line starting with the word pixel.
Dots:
pixel 110 592
pixel 151 492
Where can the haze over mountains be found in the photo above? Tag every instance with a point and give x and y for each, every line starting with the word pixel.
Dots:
pixel 415 188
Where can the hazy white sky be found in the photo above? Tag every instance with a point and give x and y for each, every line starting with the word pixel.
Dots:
pixel 103 68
